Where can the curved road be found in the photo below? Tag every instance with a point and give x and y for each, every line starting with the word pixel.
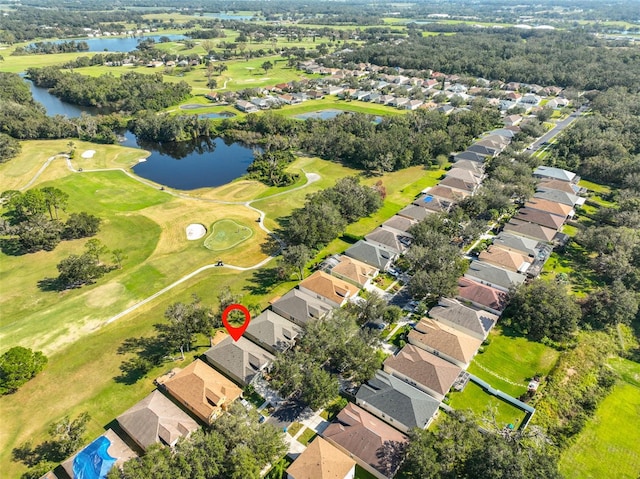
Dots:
pixel 311 178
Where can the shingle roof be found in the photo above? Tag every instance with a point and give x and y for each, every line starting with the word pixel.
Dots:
pixel 473 166
pixel 394 242
pixel 424 368
pixel 457 184
pixel 552 207
pixel 333 289
pixel 515 242
pixel 555 173
pixel 202 389
pixel 321 460
pixel 399 223
pixel 447 193
pixel 370 254
pixel 530 230
pixel 357 271
pixel 465 175
pixel 432 203
pixel 467 319
pixel 300 306
pixel 398 400
pixel 558 185
pixel 542 218
pixel 557 196
pixel 445 339
pixel 493 275
pixel 471 156
pixel 156 419
pixel 241 359
pixel 482 294
pixel 505 259
pixel 273 330
pixel 364 436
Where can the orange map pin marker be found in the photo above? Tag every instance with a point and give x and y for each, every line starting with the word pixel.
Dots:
pixel 236 332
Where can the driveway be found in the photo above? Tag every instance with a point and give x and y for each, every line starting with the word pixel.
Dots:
pixel 288 412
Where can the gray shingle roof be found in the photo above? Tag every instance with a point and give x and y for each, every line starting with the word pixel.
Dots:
pixel 395 242
pixel 414 212
pixel 241 359
pixel 272 331
pixel 371 254
pixel 398 400
pixel 463 317
pixel 530 230
pixel 471 156
pixel 557 196
pixel 516 242
pixel 300 307
pixel 494 276
pixel 556 173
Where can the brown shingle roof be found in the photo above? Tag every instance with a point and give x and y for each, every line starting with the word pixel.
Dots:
pixel 482 294
pixel 448 193
pixel 557 185
pixel 424 368
pixel 399 223
pixel 531 230
pixel 321 460
pixel 202 390
pixel 355 270
pixel 458 184
pixel 549 206
pixel 327 286
pixel 542 218
pixel 444 339
pixel 506 259
pixel 365 436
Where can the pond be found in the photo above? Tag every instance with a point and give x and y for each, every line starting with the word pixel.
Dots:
pixel 328 115
pixel 228 16
pixel 119 44
pixel 185 165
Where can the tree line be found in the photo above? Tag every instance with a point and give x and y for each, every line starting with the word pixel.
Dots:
pixel 47 48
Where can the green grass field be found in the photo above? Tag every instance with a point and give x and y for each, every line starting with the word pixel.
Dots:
pixel 512 359
pixel 610 442
pixel 227 234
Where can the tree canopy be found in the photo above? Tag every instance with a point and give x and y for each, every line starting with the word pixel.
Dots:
pixel 17 366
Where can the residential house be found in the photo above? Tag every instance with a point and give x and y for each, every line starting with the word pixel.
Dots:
pixel 262 103
pixel 457 184
pixel 530 230
pixel 213 96
pixel 466 175
pixel 448 194
pixel 201 389
pixel 333 90
pixel 330 289
pixel 373 97
pixel 474 167
pixel 511 242
pixel 512 120
pixel 386 99
pixel 558 196
pixel 471 156
pixel 246 106
pixel 558 103
pixel 371 254
pixel 414 212
pixel 445 341
pixel 504 133
pixel 156 420
pixel 493 276
pixel 511 260
pixel 374 445
pixel 481 296
pixel 484 150
pixel 396 242
pixel 541 218
pixel 399 102
pixel 530 100
pixel 433 203
pixel 398 223
pixel 99 457
pixel 396 402
pixel 322 460
pixel 412 104
pixel 550 206
pixel 351 270
pixel 421 369
pixel 553 173
pixel 559 185
pixel 300 307
pixel 471 321
pixel 241 360
pixel 272 332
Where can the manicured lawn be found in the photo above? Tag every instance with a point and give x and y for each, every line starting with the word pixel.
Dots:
pixel 334 103
pixel 594 186
pixel 608 446
pixel 226 234
pixel 294 428
pixel 481 403
pixel 384 280
pixel 363 474
pixel 512 359
pixel 307 436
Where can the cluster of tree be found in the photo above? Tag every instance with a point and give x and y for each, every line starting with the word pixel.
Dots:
pixel 561 57
pixel 66 436
pixel 236 447
pixel 165 128
pixel 52 47
pixel 270 168
pixel 131 92
pixel 22 118
pixel 326 213
pixel 9 147
pixel 78 270
pixel 457 448
pixel 336 346
pixel 33 224
pixel 17 366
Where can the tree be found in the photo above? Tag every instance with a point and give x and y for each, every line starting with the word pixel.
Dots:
pixel 319 387
pixel 68 434
pixel 119 256
pixel 81 225
pixel 184 322
pixel 314 225
pixel 9 148
pixel 55 200
pixel 370 310
pixel 38 233
pixel 610 305
pixel 76 271
pixel 95 248
pixel 17 366
pixel 266 66
pixel 541 310
pixel 296 257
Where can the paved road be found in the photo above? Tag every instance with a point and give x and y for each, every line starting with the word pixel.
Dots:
pixel 555 131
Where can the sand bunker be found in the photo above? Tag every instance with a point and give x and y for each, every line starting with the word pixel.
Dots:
pixel 195 231
pixel 89 154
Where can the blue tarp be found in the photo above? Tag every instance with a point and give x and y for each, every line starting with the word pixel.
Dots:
pixel 93 462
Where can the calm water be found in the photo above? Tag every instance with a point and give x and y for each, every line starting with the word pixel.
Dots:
pixel 185 165
pixel 328 115
pixel 126 44
pixel 228 16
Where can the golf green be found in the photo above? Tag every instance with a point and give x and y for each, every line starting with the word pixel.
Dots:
pixel 226 234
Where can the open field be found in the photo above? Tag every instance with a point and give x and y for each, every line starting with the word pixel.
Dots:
pixel 334 103
pixel 512 359
pixel 609 442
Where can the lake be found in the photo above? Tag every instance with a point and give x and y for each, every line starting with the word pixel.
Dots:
pixel 113 44
pixel 228 16
pixel 328 115
pixel 185 165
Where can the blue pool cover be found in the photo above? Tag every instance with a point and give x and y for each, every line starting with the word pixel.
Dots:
pixel 93 462
pixel 428 199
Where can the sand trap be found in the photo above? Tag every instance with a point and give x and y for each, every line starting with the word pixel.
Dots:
pixel 89 154
pixel 195 231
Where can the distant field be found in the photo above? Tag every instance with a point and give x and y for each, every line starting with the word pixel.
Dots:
pixel 611 439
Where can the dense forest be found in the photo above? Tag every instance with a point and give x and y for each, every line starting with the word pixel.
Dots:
pixel 563 58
